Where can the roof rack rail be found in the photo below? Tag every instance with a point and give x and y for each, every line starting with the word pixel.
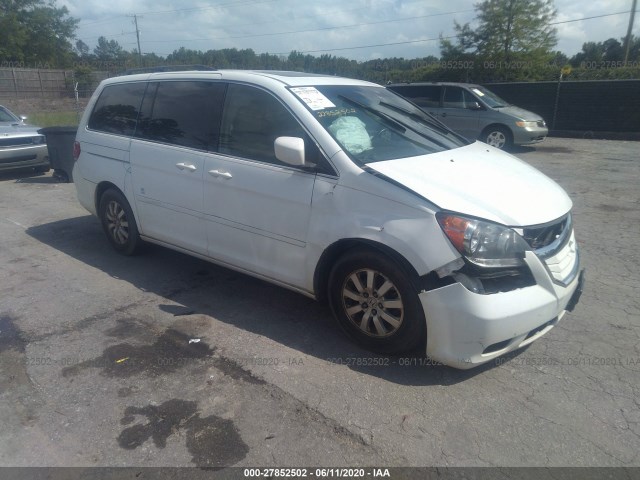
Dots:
pixel 167 68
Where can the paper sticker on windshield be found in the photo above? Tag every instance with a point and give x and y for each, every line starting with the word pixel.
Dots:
pixel 477 92
pixel 313 98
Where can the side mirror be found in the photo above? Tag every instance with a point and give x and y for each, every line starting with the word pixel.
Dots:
pixel 290 150
pixel 474 106
pixel 23 118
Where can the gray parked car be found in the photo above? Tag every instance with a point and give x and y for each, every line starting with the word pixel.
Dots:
pixel 21 146
pixel 476 113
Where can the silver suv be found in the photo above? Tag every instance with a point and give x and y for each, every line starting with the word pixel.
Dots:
pixel 476 113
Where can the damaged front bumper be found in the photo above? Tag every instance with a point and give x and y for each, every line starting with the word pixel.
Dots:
pixel 466 329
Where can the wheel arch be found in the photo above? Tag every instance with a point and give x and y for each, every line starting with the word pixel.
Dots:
pixel 501 126
pixel 100 189
pixel 334 251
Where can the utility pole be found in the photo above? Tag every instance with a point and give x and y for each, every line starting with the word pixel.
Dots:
pixel 135 22
pixel 629 30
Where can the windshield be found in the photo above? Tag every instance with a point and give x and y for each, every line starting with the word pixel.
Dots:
pixel 490 98
pixel 7 116
pixel 373 124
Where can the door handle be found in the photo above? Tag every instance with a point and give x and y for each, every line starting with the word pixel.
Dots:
pixel 220 173
pixel 186 166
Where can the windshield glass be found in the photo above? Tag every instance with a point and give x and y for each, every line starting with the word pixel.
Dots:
pixel 7 116
pixel 489 97
pixel 373 124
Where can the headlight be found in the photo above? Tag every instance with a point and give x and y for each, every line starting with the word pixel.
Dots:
pixel 527 124
pixel 483 243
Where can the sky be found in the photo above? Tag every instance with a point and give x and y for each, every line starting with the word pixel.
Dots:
pixel 355 29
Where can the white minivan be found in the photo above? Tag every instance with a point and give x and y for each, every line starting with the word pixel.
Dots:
pixel 341 190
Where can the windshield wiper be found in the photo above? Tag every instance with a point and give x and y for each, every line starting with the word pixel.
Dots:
pixel 388 119
pixel 420 118
pixel 432 123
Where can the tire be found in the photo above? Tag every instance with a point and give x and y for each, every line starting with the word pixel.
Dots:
pixel 390 321
pixel 498 137
pixel 118 223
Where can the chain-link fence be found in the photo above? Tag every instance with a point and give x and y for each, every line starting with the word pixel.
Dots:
pixel 598 108
pixel 33 83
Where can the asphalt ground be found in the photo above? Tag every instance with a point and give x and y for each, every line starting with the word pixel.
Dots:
pixel 166 360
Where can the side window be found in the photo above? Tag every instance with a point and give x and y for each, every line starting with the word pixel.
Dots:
pixel 5 117
pixel 251 122
pixel 422 95
pixel 116 111
pixel 428 96
pixel 185 113
pixel 457 97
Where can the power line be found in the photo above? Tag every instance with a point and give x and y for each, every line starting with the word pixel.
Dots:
pixel 589 18
pixel 432 39
pixel 369 46
pixel 356 47
pixel 178 10
pixel 310 30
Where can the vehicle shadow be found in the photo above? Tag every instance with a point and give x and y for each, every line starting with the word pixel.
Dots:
pixel 253 305
pixel 518 149
pixel 27 176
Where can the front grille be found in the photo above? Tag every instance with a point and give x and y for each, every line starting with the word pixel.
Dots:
pixel 563 265
pixel 20 141
pixel 543 236
pixel 555 244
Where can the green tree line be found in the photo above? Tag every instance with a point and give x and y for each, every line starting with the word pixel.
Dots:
pixel 509 40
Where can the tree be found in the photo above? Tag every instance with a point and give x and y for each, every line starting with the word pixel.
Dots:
pixel 108 50
pixel 508 32
pixel 36 32
pixel 82 49
pixel 600 53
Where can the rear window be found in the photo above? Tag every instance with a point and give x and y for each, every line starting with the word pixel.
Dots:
pixel 117 109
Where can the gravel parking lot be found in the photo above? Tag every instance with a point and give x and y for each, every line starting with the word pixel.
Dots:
pixel 166 360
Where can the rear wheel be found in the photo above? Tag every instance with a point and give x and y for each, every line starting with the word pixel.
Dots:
pixel 498 137
pixel 375 303
pixel 119 223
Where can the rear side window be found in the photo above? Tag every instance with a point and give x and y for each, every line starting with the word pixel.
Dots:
pixel 117 109
pixel 421 95
pixel 185 113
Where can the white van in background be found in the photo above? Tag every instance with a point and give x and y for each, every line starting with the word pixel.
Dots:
pixel 340 190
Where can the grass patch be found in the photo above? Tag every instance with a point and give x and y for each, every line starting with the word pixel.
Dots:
pixel 54 119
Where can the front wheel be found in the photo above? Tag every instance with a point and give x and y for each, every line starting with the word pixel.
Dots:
pixel 498 137
pixel 119 223
pixel 375 303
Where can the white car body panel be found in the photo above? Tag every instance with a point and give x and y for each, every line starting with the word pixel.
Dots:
pixel 481 181
pixel 276 222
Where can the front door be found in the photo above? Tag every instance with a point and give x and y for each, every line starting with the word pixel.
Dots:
pixel 458 112
pixel 257 208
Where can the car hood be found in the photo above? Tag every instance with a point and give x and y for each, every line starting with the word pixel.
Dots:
pixel 9 130
pixel 481 181
pixel 519 113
